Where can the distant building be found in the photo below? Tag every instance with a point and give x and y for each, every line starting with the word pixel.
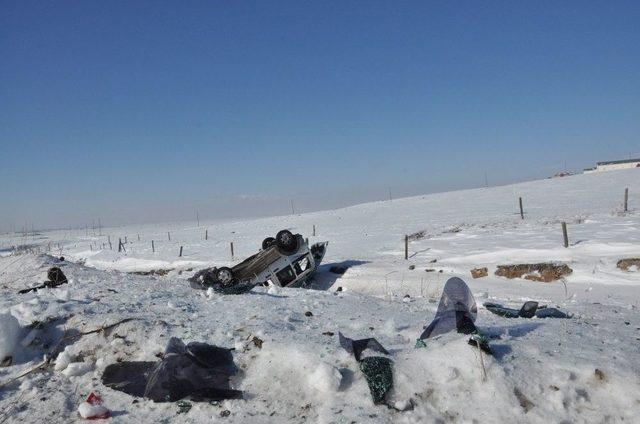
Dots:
pixel 614 165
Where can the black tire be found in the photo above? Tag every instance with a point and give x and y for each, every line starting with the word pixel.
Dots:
pixel 286 241
pixel 268 242
pixel 224 276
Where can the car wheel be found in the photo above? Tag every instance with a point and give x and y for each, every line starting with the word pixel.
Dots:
pixel 286 241
pixel 268 242
pixel 225 276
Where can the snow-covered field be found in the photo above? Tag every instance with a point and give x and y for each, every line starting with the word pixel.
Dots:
pixel 301 373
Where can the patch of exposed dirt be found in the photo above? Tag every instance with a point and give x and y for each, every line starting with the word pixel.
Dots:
pixel 625 264
pixel 479 272
pixel 545 272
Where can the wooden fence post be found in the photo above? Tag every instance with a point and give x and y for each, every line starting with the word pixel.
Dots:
pixel 565 236
pixel 153 247
pixel 110 245
pixel 169 235
pixel 206 234
pixel 231 250
pixel 521 211
pixel 138 237
pixel 125 239
pixel 406 247
pixel 180 251
pixel 314 230
pixel 626 199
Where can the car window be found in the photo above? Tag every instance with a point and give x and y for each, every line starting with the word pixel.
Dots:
pixel 286 275
pixel 301 264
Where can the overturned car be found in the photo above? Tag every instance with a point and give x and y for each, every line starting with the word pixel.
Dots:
pixel 285 260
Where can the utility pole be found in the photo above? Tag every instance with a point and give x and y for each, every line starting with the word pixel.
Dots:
pixel 390 198
pixel 293 212
pixel 197 218
pixel 486 180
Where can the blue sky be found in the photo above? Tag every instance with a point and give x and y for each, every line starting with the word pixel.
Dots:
pixel 136 111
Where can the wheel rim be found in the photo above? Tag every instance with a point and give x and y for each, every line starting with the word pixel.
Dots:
pixel 286 239
pixel 224 276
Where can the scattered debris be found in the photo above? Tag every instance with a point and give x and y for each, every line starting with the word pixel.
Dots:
pixel 600 376
pixel 376 368
pixel 430 270
pixel 457 311
pixel 198 371
pixel 377 372
pixel 55 278
pixel 528 310
pixel 225 413
pixel 308 314
pixel 479 272
pixel 544 272
pixel 328 333
pixel 257 342
pixel 629 264
pixel 412 267
pixel 184 406
pixel 93 408
pixel 525 403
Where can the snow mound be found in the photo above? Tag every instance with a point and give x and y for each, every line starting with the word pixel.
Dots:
pixel 9 334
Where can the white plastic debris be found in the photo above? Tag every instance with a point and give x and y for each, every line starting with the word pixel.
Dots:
pixel 93 408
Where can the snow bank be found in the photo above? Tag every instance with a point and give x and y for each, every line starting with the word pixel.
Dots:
pixel 9 335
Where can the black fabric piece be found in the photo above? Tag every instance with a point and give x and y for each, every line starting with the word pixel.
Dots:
pixel 358 346
pixel 128 377
pixel 197 370
pixel 377 372
pixel 457 310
